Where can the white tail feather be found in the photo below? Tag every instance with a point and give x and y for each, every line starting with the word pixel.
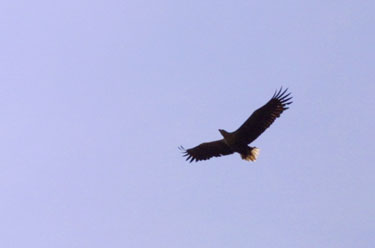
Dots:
pixel 254 153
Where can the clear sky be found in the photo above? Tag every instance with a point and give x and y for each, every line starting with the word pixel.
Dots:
pixel 96 96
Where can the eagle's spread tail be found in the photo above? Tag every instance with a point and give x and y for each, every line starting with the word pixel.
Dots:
pixel 251 155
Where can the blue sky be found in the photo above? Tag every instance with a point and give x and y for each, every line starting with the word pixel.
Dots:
pixel 96 96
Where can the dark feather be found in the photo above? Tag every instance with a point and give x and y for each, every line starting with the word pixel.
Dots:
pixel 263 117
pixel 206 151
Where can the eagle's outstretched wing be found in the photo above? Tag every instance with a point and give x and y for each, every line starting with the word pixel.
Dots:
pixel 206 151
pixel 263 117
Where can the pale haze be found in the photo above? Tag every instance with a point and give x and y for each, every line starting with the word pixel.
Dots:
pixel 96 97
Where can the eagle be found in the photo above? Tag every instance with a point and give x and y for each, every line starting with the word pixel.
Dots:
pixel 239 140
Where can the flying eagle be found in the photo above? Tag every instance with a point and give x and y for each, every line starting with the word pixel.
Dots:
pixel 238 140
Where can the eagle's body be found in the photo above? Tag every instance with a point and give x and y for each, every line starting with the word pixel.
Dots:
pixel 238 140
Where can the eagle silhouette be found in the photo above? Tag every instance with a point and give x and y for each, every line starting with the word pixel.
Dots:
pixel 238 140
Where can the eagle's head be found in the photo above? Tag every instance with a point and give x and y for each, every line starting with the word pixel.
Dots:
pixel 224 133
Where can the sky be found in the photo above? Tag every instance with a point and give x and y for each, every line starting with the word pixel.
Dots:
pixel 96 96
